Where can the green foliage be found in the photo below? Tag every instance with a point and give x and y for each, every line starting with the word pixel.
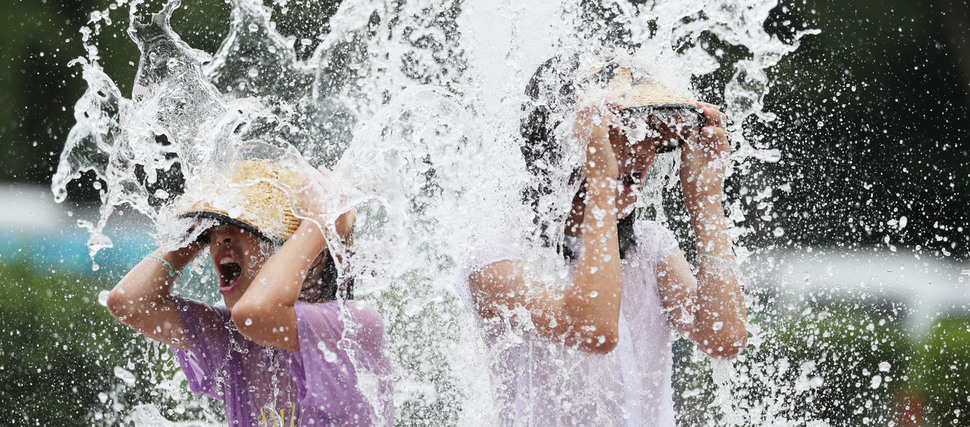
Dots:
pixel 943 371
pixel 65 361
pixel 421 327
pixel 835 363
pixel 859 354
pixel 52 348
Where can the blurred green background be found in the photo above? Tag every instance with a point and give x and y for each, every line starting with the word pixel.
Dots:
pixel 873 114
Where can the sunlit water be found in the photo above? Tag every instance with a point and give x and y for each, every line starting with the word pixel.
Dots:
pixel 415 105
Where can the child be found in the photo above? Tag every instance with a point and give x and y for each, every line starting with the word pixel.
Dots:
pixel 283 350
pixel 594 346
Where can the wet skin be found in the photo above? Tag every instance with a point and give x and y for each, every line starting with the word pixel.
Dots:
pixel 237 256
pixel 708 309
pixel 259 286
pixel 633 160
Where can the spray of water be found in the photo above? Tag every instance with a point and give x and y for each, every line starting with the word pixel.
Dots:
pixel 415 105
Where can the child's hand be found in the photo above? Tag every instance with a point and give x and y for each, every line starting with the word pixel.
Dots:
pixel 317 196
pixel 592 127
pixel 703 159
pixel 312 195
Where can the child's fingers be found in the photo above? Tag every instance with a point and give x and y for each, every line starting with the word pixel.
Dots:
pixel 714 133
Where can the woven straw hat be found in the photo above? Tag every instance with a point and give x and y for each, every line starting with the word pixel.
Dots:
pixel 250 195
pixel 640 90
pixel 642 95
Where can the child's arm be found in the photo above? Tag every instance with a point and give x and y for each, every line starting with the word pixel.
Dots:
pixel 142 299
pixel 587 313
pixel 708 309
pixel 266 313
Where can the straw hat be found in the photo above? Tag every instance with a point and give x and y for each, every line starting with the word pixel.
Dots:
pixel 250 196
pixel 641 95
pixel 641 92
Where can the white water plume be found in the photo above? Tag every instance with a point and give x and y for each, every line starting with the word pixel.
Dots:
pixel 416 106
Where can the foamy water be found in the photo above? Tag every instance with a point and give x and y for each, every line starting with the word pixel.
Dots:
pixel 416 108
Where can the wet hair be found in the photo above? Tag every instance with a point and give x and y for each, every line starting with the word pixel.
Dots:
pixel 321 283
pixel 552 95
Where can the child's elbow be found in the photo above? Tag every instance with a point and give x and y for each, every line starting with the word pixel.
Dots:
pixel 245 317
pixel 600 341
pixel 120 305
pixel 729 344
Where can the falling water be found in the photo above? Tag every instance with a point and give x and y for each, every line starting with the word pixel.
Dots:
pixel 415 105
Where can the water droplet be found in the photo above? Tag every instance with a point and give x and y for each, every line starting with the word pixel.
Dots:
pixel 103 297
pixel 253 28
pixel 249 322
pixel 328 355
pixel 124 375
pixel 876 381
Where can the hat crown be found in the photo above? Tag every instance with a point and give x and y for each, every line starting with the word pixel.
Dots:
pixel 637 87
pixel 252 193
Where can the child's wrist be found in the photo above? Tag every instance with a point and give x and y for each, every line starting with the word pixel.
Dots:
pixel 309 232
pixel 178 258
pixel 172 272
pixel 723 261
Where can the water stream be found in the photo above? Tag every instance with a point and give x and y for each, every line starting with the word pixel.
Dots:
pixel 415 105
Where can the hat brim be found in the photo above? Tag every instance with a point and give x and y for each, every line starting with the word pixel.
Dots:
pixel 701 119
pixel 225 219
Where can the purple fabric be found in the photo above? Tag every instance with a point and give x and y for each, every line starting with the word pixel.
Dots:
pixel 339 376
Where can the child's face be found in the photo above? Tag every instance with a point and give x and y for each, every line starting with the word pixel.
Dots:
pixel 237 255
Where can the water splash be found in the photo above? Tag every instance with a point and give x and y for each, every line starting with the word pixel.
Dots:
pixel 416 107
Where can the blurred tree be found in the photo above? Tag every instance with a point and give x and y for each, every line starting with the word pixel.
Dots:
pixel 872 126
pixel 65 361
pixel 836 362
pixel 956 21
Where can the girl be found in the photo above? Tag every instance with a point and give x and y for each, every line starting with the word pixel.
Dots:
pixel 592 346
pixel 283 350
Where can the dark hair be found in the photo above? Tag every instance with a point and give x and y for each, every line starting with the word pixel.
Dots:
pixel 552 94
pixel 325 287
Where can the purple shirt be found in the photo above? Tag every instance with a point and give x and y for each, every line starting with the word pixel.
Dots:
pixel 340 376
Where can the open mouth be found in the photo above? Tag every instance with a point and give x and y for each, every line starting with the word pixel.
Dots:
pixel 229 273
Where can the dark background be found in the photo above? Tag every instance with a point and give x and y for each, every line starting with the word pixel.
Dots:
pixel 872 112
